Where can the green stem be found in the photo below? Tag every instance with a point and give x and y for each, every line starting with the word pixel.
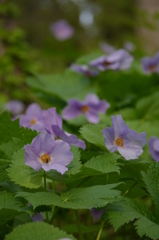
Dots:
pixel 78 225
pixel 129 189
pixel 100 230
pixel 53 207
pixel 47 218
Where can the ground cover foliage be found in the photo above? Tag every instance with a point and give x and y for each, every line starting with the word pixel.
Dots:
pixel 127 191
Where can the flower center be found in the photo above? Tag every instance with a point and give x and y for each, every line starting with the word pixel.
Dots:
pixel 152 67
pixel 119 142
pixel 85 109
pixel 106 63
pixel 45 158
pixel 33 121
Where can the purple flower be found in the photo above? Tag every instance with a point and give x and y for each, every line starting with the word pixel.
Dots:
pixel 62 30
pixel 119 137
pixel 44 152
pixel 90 107
pixel 15 107
pixel 84 69
pixel 151 64
pixel 119 59
pixel 97 213
pixel 53 125
pixel 106 48
pixel 154 148
pixel 33 118
pixel 37 217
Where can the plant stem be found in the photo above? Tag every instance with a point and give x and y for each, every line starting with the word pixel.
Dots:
pixel 78 225
pixel 100 230
pixel 53 207
pixel 45 189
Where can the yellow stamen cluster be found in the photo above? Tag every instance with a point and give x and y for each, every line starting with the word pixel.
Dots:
pixel 119 142
pixel 33 121
pixel 85 109
pixel 45 158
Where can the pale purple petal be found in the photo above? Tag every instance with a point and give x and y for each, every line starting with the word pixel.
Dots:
pixel 34 110
pixel 84 69
pixel 43 143
pixel 72 110
pixel 92 117
pixel 61 153
pixel 154 148
pixel 37 217
pixel 97 213
pixel 73 140
pixel 15 107
pixel 119 126
pixel 31 159
pixel 56 166
pixel 107 48
pixel 130 151
pixel 24 120
pixel 92 98
pixel 108 134
pixel 135 138
pixel 50 117
pixel 39 127
pixel 129 46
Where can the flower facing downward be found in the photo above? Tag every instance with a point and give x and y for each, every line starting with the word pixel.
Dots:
pixel 90 107
pixel 154 148
pixel 150 64
pixel 117 60
pixel 62 30
pixel 53 125
pixel 120 138
pixel 84 69
pixel 46 153
pixel 37 217
pixel 97 213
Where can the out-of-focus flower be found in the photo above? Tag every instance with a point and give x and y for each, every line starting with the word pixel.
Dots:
pixel 97 213
pixel 129 46
pixel 90 107
pixel 84 69
pixel 105 47
pixel 150 64
pixel 15 107
pixel 37 217
pixel 154 148
pixel 44 152
pixel 33 118
pixel 117 60
pixel 62 30
pixel 120 138
pixel 53 125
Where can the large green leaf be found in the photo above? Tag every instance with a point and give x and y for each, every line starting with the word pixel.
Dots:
pixel 127 210
pixel 22 174
pixel 151 179
pixel 104 163
pixel 93 134
pixel 66 86
pixel 80 198
pixel 37 231
pixel 75 164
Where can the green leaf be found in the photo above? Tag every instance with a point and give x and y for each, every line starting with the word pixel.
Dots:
pixel 10 129
pixel 22 174
pixel 80 198
pixel 126 210
pixel 9 207
pixel 93 134
pixel 104 163
pixel 151 179
pixel 75 164
pixel 72 228
pixel 36 231
pixel 146 227
pixel 77 86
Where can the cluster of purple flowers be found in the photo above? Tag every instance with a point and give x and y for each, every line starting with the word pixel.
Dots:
pixel 116 60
